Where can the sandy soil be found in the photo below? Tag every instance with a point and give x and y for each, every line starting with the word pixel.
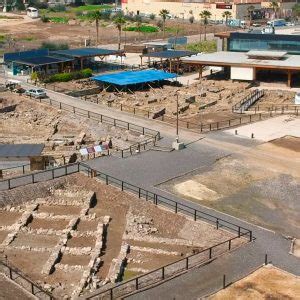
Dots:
pixel 265 283
pixel 262 191
pixel 75 34
pixel 9 290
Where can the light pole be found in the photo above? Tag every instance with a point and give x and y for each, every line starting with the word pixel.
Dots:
pixel 177 117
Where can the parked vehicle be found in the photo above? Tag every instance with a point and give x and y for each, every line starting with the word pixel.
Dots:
pixel 290 24
pixel 36 93
pixel 277 22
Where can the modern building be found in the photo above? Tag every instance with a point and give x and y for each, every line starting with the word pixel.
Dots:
pixel 248 66
pixel 185 9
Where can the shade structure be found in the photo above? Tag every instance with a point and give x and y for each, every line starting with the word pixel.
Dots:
pixel 134 77
pixel 87 52
pixel 20 150
pixel 170 54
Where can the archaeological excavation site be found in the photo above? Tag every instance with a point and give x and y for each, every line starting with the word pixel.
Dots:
pixel 76 235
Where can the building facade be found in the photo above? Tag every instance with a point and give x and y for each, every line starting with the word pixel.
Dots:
pixel 184 9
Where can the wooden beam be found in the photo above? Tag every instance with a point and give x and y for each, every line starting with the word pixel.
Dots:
pixel 200 72
pixel 289 81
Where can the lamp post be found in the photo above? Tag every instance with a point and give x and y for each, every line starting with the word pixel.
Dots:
pixel 177 118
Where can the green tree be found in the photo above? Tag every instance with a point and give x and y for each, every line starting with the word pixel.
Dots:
pixel 250 10
pixel 226 15
pixel 34 77
pixel 96 16
pixel 139 28
pixel 163 14
pixel 119 21
pixel 152 16
pixel 296 10
pixel 274 6
pixel 205 16
pixel 19 5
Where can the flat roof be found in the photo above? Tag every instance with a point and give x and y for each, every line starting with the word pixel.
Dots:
pixel 267 53
pixel 134 77
pixel 20 150
pixel 170 54
pixel 41 60
pixel 224 58
pixel 87 52
pixel 156 43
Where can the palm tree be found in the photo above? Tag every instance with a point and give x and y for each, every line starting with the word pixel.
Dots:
pixel 119 22
pixel 250 10
pixel 274 5
pixel 138 28
pixel 227 15
pixel 163 14
pixel 205 15
pixel 96 16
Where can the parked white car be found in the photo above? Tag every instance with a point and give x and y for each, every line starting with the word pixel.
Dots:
pixel 289 24
pixel 36 93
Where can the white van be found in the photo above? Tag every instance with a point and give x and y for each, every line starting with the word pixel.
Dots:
pixel 32 12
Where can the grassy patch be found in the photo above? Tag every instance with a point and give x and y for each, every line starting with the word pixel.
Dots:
pixel 61 20
pixel 143 28
pixel 91 8
pixel 205 46
pixel 2 38
pixel 27 38
pixel 10 17
pixel 129 274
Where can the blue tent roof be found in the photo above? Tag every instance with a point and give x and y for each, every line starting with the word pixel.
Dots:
pixel 134 77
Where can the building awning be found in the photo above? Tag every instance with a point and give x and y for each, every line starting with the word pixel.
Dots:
pixel 240 59
pixel 41 60
pixel 134 77
pixel 88 52
pixel 170 54
pixel 20 150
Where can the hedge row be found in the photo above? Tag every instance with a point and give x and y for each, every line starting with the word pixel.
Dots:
pixel 63 77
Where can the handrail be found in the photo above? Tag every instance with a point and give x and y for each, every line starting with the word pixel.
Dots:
pixel 246 102
pixel 100 117
pixel 156 199
pixel 33 285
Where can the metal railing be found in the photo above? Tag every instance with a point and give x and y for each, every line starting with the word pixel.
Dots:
pixel 102 118
pixel 248 101
pixel 15 169
pixel 20 279
pixel 276 109
pixel 167 271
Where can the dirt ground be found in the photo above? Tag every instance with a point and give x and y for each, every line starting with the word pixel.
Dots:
pixel 155 236
pixel 265 283
pixel 62 133
pixel 258 189
pixel 75 34
pixel 9 290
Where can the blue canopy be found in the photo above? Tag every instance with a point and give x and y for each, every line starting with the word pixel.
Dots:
pixel 134 77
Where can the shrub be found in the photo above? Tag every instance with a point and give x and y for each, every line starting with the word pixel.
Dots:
pixel 204 46
pixel 191 19
pixel 143 28
pixel 62 20
pixel 45 19
pixel 54 46
pixel 64 77
pixel 152 16
pixel 57 8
